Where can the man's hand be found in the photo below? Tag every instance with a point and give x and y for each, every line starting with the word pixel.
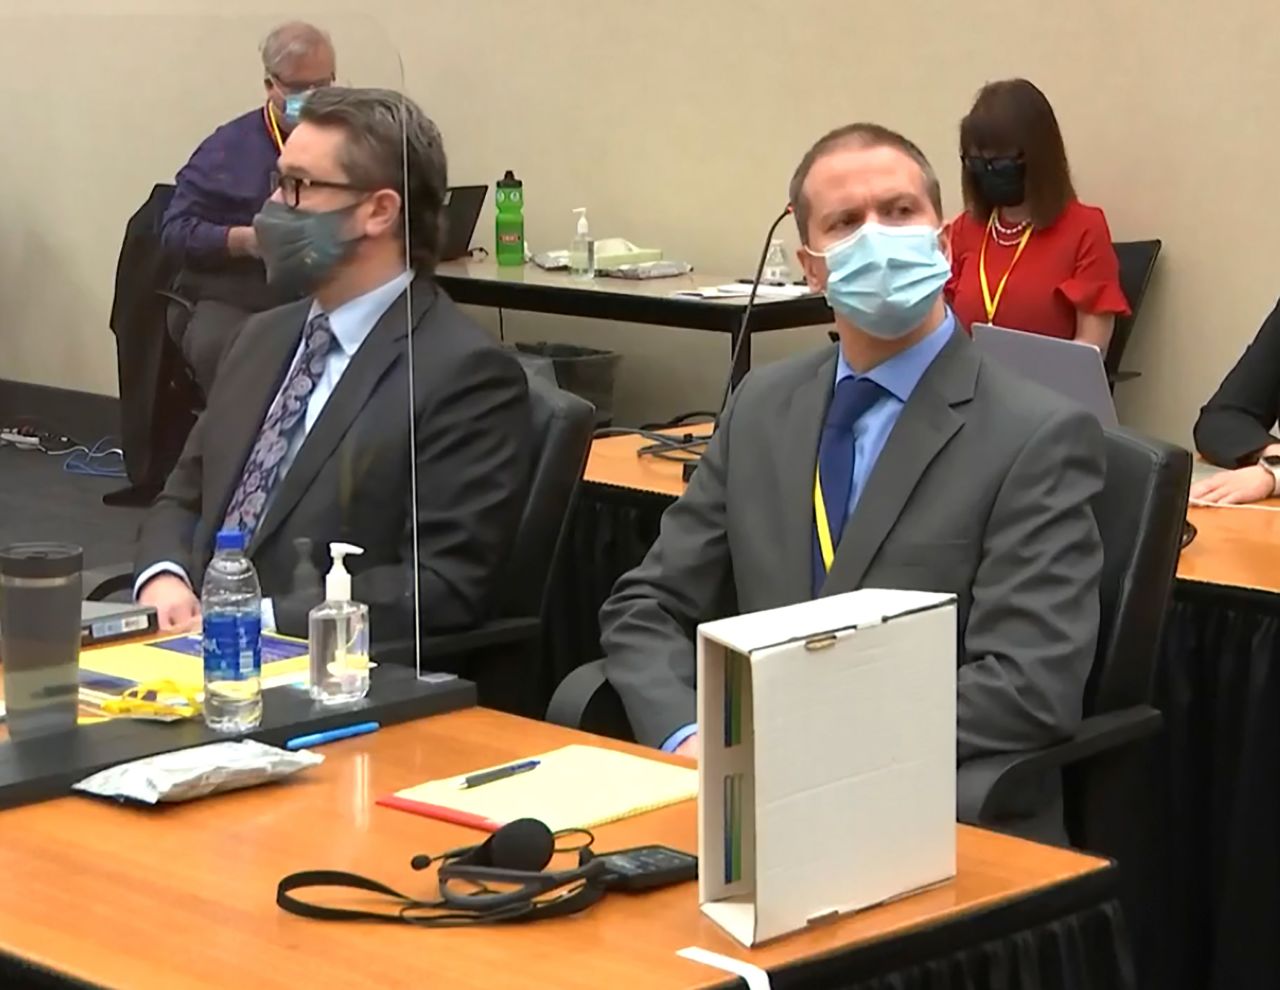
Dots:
pixel 242 242
pixel 175 604
pixel 1239 487
pixel 689 748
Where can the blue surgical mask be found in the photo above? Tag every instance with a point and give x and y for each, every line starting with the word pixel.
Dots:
pixel 293 104
pixel 884 280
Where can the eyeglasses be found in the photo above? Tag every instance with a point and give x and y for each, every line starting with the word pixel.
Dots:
pixel 294 88
pixel 291 187
pixel 981 163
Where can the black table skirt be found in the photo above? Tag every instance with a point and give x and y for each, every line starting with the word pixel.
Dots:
pixel 1218 684
pixel 1213 919
pixel 1066 937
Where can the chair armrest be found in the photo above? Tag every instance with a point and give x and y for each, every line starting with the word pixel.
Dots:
pixel 984 784
pixel 182 301
pixel 100 583
pixel 574 695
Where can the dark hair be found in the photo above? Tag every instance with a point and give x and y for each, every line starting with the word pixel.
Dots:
pixel 391 144
pixel 861 135
pixel 1014 115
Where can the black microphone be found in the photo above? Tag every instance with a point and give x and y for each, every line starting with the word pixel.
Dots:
pixel 743 333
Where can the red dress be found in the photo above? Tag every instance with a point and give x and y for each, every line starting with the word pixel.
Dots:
pixel 1065 267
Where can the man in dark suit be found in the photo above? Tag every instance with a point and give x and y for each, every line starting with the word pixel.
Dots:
pixel 309 431
pixel 898 459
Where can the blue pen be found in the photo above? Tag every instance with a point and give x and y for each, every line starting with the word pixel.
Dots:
pixel 333 735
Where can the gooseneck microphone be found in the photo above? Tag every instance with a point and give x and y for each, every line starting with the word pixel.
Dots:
pixel 743 327
pixel 687 448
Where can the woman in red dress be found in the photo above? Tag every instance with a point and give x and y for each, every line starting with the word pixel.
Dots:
pixel 1026 254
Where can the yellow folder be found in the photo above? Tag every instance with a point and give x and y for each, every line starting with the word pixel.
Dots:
pixel 179 659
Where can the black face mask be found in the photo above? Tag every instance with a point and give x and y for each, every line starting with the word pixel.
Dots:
pixel 1002 183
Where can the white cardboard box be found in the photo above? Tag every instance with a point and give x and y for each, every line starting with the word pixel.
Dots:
pixel 828 766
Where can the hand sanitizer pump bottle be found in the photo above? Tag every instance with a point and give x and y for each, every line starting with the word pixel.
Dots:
pixel 338 636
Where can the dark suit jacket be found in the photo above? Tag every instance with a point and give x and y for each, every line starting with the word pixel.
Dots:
pixel 983 489
pixel 1240 418
pixel 351 479
pixel 150 367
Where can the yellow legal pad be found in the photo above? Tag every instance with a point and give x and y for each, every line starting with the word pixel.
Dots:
pixel 572 787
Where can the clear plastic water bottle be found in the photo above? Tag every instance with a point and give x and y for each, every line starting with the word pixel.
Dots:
pixel 776 270
pixel 231 601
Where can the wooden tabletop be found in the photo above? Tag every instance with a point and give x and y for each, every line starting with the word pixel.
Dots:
pixel 1234 547
pixel 184 895
pixel 614 461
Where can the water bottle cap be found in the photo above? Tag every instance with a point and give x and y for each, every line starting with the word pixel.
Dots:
pixel 510 180
pixel 228 539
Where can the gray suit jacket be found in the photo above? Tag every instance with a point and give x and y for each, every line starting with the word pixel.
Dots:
pixel 983 489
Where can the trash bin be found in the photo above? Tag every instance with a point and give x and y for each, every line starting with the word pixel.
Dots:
pixel 584 371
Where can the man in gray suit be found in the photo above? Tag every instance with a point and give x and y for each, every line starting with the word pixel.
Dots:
pixel 898 459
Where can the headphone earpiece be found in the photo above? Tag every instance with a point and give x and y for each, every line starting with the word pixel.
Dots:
pixel 515 856
pixel 525 844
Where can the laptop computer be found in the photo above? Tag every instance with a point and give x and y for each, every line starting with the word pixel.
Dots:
pixel 106 622
pixel 462 205
pixel 1070 368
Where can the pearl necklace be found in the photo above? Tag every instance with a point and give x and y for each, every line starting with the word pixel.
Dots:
pixel 1007 236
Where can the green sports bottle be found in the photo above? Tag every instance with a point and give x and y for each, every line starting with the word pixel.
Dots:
pixel 509 236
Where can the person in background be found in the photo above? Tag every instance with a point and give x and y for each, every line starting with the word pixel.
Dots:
pixel 898 458
pixel 1026 254
pixel 207 227
pixel 1236 428
pixel 318 424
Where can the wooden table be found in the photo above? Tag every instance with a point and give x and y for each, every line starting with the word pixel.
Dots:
pixel 1234 547
pixel 184 896
pixel 530 289
pixel 614 461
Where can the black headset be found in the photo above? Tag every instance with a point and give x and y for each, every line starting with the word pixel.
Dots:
pixel 515 857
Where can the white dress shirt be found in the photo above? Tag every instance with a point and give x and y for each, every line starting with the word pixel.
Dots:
pixel 351 323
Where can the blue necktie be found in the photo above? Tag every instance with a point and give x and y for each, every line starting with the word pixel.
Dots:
pixel 852 398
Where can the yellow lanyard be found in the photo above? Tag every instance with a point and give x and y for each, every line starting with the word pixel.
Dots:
pixel 824 527
pixel 273 128
pixel 991 303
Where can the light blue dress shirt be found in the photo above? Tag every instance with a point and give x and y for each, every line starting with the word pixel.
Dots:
pixel 899 377
pixel 351 323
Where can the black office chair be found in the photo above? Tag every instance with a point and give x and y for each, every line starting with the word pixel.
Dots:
pixel 1140 515
pixel 159 399
pixel 504 656
pixel 1137 262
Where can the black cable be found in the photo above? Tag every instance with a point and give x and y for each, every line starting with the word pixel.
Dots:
pixel 743 333
pixel 502 333
pixel 664 444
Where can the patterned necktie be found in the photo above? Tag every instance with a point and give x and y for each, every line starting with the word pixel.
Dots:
pixel 284 418
pixel 852 398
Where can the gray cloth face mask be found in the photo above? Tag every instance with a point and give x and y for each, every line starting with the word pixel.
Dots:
pixel 301 249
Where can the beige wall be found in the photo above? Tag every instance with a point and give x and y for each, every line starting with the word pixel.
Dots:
pixel 677 122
